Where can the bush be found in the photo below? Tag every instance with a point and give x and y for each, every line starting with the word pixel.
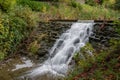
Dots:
pixel 117 4
pixel 33 47
pixel 34 5
pixel 94 2
pixel 90 2
pixel 6 5
pixel 14 26
pixel 2 55
pixel 30 17
pixel 97 12
pixel 66 1
pixel 75 4
pixel 109 3
pixel 117 26
pixel 12 31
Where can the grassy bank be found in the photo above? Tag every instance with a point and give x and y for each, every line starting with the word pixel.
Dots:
pixel 74 10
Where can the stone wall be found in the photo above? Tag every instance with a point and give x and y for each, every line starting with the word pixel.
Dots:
pixel 52 31
pixel 102 34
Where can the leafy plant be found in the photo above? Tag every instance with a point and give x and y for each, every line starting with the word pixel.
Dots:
pixel 27 15
pixel 2 55
pixel 34 5
pixel 6 5
pixel 90 2
pixel 15 26
pixel 117 4
pixel 33 47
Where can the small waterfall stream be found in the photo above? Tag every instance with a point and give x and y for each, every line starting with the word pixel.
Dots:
pixel 63 50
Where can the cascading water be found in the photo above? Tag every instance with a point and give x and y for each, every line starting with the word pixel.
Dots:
pixel 63 50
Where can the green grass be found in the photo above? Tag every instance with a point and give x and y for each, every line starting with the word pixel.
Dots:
pixel 97 12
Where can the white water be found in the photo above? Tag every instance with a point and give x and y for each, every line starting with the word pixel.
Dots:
pixel 63 50
pixel 26 63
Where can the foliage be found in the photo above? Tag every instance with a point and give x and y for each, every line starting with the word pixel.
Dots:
pixel 66 1
pixel 20 21
pixel 80 11
pixel 104 66
pixel 2 55
pixel 117 4
pixel 14 26
pixel 33 47
pixel 27 15
pixel 12 31
pixel 109 3
pixel 75 5
pixel 85 53
pixel 34 5
pixel 117 26
pixel 98 12
pixel 90 2
pixel 6 5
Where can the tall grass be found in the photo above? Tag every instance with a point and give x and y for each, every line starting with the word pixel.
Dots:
pixel 80 11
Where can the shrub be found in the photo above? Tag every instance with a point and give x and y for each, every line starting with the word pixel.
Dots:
pixel 1 55
pixel 14 26
pixel 34 5
pixel 33 47
pixel 117 4
pixel 75 4
pixel 4 44
pixel 6 5
pixel 94 2
pixel 90 2
pixel 30 17
pixel 12 31
pixel 109 3
pixel 117 26
pixel 98 12
pixel 66 1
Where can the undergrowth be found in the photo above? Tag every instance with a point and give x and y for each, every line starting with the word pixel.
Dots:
pixel 104 65
pixel 15 25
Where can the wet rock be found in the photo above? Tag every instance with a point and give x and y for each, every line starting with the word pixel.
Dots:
pixel 76 41
pixel 53 31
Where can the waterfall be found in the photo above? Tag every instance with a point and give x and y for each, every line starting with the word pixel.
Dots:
pixel 63 50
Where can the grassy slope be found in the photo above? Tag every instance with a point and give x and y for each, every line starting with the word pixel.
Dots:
pixel 80 11
pixel 104 66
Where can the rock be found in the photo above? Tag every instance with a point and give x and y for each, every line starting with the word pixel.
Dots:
pixel 53 31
